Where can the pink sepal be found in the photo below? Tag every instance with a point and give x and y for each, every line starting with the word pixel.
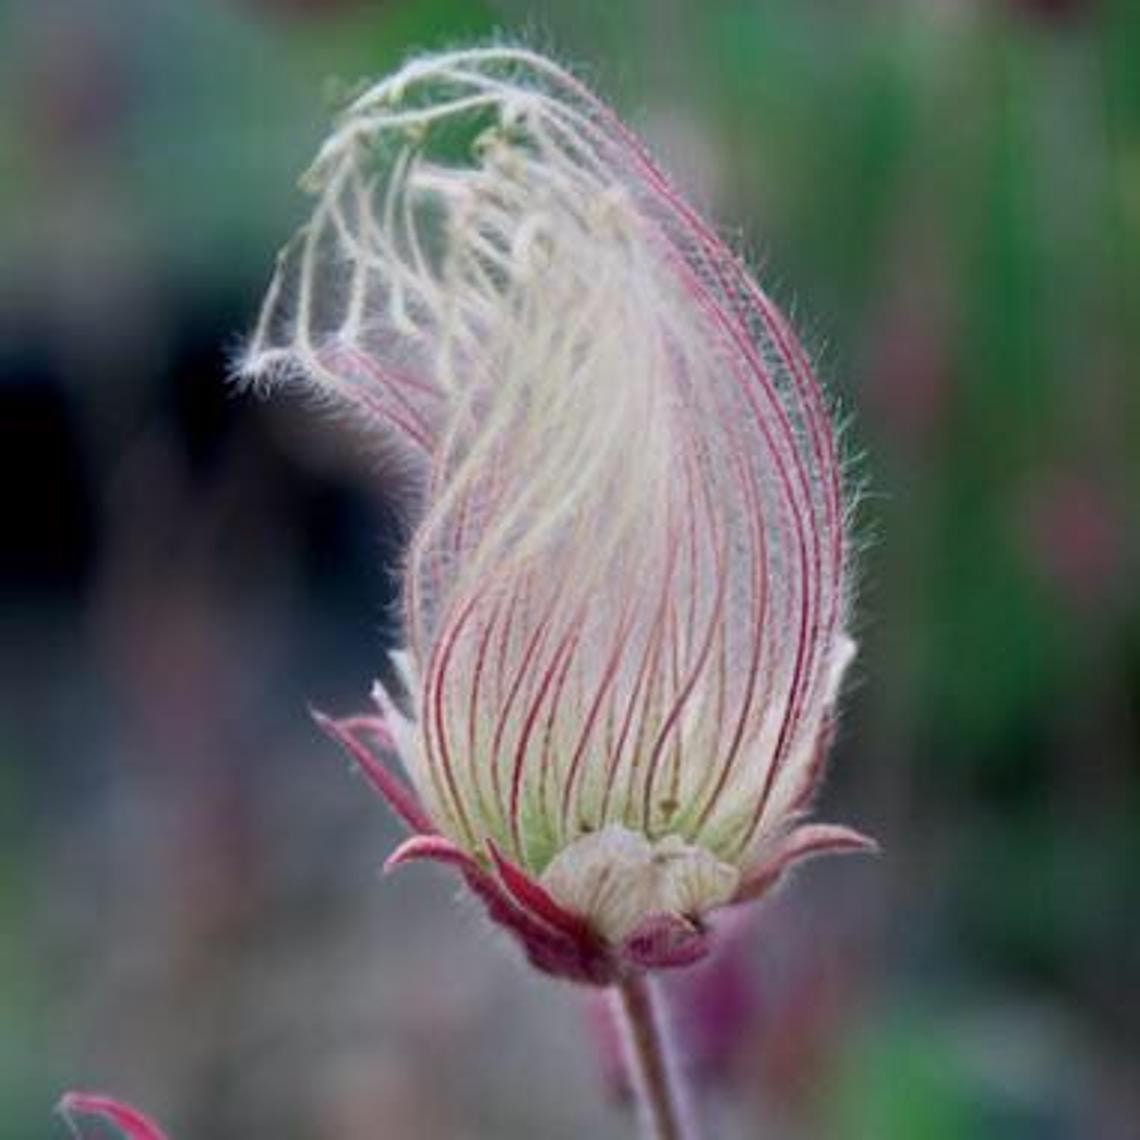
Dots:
pixel 352 734
pixel 803 843
pixel 555 940
pixel 432 847
pixel 531 895
pixel 585 960
pixel 582 958
pixel 666 941
pixel 129 1121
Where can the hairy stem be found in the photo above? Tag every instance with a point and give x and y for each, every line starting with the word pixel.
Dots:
pixel 652 1066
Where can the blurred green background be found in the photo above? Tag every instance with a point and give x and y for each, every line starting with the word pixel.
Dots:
pixel 946 196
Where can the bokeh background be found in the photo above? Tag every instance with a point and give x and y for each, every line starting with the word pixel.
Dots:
pixel 946 193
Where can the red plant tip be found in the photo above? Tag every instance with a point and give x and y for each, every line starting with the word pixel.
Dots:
pixel 133 1124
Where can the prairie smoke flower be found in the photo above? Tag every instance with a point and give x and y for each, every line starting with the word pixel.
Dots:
pixel 626 589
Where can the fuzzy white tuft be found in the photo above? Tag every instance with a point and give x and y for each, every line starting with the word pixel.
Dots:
pixel 625 596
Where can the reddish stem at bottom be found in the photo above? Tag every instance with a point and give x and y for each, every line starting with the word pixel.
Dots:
pixel 656 1078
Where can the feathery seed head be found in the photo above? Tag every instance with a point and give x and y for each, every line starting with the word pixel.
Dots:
pixel 625 594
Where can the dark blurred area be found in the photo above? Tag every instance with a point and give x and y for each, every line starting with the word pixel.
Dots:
pixel 946 195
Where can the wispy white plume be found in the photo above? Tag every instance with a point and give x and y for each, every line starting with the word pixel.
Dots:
pixel 625 598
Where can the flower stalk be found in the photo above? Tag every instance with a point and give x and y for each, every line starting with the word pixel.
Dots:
pixel 657 1079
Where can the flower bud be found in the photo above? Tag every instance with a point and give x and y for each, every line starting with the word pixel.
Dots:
pixel 626 591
